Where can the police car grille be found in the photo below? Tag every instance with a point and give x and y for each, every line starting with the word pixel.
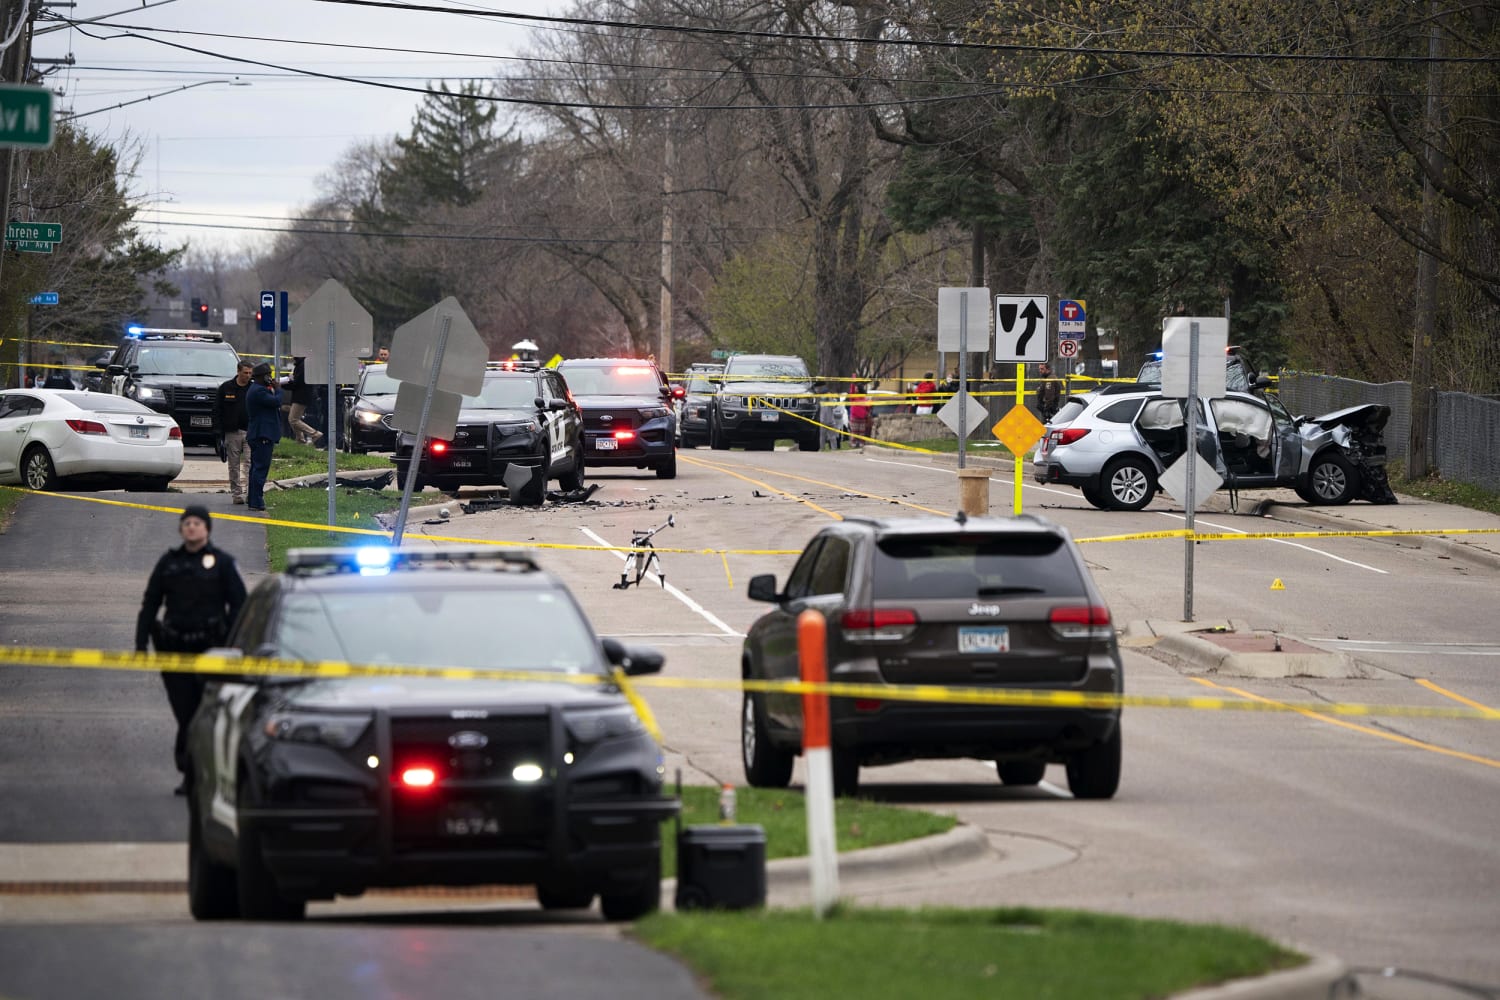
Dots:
pixel 507 741
pixel 610 420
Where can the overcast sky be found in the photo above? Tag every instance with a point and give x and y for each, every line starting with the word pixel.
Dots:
pixel 220 154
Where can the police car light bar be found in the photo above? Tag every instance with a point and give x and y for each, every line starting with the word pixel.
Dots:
pixel 161 333
pixel 307 562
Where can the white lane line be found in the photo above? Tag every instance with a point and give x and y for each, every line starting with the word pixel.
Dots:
pixel 993 479
pixel 693 605
pixel 1280 541
pixel 1394 642
pixel 1422 649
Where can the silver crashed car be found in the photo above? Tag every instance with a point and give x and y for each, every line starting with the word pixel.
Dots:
pixel 1115 444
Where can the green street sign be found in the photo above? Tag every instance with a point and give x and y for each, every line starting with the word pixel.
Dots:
pixel 25 117
pixel 37 232
pixel 30 246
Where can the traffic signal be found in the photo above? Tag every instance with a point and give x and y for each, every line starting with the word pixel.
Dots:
pixel 193 312
pixel 202 318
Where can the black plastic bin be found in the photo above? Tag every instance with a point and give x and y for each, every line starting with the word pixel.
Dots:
pixel 721 867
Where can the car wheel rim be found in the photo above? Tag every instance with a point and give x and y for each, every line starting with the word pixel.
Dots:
pixel 1128 484
pixel 1328 481
pixel 747 732
pixel 36 472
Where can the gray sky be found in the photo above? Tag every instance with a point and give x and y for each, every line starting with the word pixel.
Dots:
pixel 221 154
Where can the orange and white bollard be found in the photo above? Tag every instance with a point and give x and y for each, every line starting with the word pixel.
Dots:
pixel 812 653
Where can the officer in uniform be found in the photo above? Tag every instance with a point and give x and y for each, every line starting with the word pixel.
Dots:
pixel 263 430
pixel 202 591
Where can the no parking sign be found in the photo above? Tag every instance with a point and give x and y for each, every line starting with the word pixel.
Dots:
pixel 1067 348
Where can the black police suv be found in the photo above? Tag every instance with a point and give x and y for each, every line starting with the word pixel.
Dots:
pixel 521 431
pixel 628 417
pixel 177 372
pixel 763 397
pixel 694 404
pixel 368 406
pixel 983 602
pixel 304 789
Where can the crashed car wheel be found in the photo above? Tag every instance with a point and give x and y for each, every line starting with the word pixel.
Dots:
pixel 1129 483
pixel 1094 497
pixel 1332 480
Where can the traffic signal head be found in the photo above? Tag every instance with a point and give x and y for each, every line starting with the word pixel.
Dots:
pixel 202 318
pixel 193 311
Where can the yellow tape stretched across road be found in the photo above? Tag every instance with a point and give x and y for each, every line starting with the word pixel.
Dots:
pixel 100 659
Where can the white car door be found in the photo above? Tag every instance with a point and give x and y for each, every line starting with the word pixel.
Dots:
pixel 17 412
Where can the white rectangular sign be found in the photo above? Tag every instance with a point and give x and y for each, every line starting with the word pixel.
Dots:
pixel 969 307
pixel 1176 345
pixel 1021 328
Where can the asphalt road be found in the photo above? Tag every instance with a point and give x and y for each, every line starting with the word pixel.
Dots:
pixel 1371 839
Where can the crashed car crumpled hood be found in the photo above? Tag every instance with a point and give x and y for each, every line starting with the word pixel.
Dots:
pixel 1357 432
pixel 1370 416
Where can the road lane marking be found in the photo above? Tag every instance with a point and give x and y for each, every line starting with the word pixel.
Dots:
pixel 790 496
pixel 832 486
pixel 953 472
pixel 692 605
pixel 1455 696
pixel 1282 541
pixel 1320 717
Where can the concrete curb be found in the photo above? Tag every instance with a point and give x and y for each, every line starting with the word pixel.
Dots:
pixel 959 845
pixel 1313 981
pixel 1443 546
pixel 1190 651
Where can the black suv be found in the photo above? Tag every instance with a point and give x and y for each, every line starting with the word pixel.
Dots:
pixel 368 406
pixel 628 417
pixel 177 372
pixel 983 602
pixel 305 789
pixel 1239 374
pixel 696 401
pixel 521 431
pixel 760 399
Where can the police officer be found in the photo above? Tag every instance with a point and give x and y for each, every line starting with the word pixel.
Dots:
pixel 263 430
pixel 233 419
pixel 202 590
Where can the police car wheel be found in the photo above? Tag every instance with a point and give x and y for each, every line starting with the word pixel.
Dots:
pixel 212 893
pixel 667 467
pixel 259 898
pixel 636 902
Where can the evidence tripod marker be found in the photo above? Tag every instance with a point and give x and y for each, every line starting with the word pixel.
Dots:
pixel 641 562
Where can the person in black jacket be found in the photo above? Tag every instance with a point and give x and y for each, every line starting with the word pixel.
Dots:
pixel 202 590
pixel 234 419
pixel 303 396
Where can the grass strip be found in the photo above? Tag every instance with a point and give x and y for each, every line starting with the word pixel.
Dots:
pixel 353 508
pixel 8 501
pixel 291 460
pixel 1440 490
pixel 858 823
pixel 937 954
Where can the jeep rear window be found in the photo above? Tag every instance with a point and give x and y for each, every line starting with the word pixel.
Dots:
pixel 923 567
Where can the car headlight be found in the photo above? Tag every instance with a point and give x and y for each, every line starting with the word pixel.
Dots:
pixel 338 731
pixel 734 401
pixel 368 416
pixel 529 427
pixel 593 725
pixel 146 392
pixel 653 412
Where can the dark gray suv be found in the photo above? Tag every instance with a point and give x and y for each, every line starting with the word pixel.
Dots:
pixel 983 602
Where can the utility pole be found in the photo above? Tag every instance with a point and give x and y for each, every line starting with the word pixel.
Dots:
pixel 664 347
pixel 13 64
pixel 1417 459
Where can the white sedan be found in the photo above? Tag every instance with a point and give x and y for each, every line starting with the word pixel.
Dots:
pixel 51 435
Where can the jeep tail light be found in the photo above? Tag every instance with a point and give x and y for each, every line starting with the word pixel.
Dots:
pixel 878 624
pixel 1082 622
pixel 418 777
pixel 175 433
pixel 1065 436
pixel 88 427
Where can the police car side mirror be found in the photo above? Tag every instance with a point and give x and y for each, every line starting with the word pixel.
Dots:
pixel 763 588
pixel 556 405
pixel 634 660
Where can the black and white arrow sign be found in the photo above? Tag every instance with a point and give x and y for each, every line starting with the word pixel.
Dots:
pixel 1021 328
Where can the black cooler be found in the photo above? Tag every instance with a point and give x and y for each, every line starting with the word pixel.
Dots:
pixel 721 867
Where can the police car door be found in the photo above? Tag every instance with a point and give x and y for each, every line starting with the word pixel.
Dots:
pixel 557 420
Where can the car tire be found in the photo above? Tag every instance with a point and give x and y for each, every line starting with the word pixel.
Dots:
pixel 667 469
pixel 575 478
pixel 809 443
pixel 564 897
pixel 1129 483
pixel 212 891
pixel 716 439
pixel 1021 772
pixel 637 902
pixel 37 470
pixel 1095 773
pixel 845 772
pixel 258 896
pixel 1095 498
pixel 766 766
pixel 768 445
pixel 1332 480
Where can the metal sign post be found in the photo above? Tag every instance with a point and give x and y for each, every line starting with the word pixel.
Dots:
pixel 1192 471
pixel 330 437
pixel 416 451
pixel 1016 459
pixel 963 372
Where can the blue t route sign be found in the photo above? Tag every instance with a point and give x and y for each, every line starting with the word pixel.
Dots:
pixel 44 299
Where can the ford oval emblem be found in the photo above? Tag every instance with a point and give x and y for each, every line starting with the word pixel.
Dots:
pixel 606 419
pixel 468 740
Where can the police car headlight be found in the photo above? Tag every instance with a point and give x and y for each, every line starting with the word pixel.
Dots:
pixel 528 427
pixel 338 731
pixel 368 416
pixel 146 392
pixel 593 725
pixel 653 412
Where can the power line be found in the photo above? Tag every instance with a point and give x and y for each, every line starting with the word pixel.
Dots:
pixel 448 237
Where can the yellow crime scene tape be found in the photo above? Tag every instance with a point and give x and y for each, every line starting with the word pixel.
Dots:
pixel 226 666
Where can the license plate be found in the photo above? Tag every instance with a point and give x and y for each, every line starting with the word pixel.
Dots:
pixel 769 416
pixel 461 463
pixel 984 640
pixel 470 822
pixel 201 421
pixel 140 432
pixel 606 444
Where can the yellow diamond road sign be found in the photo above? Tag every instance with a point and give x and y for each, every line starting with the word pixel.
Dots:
pixel 1018 430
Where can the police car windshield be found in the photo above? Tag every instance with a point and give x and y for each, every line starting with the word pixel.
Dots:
pixel 187 361
pixel 508 393
pixel 624 379
pixel 425 626
pixel 378 383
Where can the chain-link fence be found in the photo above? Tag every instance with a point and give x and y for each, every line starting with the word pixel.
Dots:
pixel 1465 429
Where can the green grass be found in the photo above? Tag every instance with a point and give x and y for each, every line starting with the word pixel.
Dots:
pixel 1440 490
pixel 858 823
pixel 291 460
pixel 354 508
pixel 8 501
pixel 936 954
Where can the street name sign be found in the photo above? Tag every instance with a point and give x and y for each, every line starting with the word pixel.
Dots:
pixel 39 232
pixel 25 117
pixel 44 299
pixel 1021 328
pixel 31 246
